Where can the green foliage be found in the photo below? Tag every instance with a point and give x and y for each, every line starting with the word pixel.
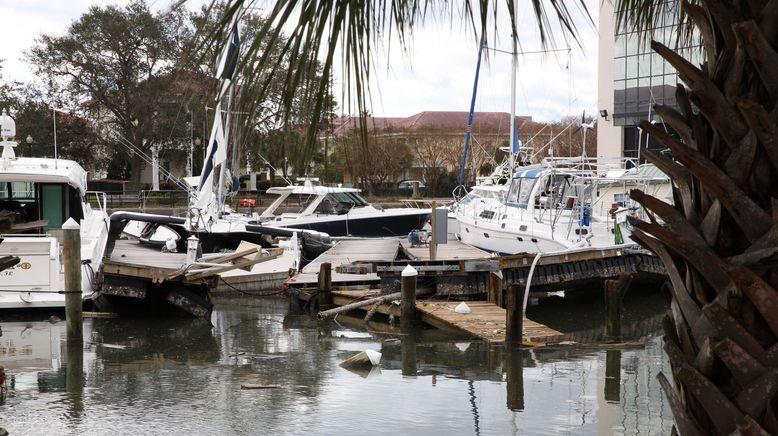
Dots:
pixel 120 61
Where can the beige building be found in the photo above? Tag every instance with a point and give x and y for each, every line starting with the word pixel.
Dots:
pixel 631 79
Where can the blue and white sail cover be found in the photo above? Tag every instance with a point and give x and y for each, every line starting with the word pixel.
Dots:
pixel 216 152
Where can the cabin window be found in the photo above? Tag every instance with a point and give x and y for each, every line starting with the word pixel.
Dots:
pixel 27 207
pixel 520 190
pixel 513 193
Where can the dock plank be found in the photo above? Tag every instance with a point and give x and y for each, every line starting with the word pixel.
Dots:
pixel 485 321
pixel 136 254
pixel 346 252
pixel 453 250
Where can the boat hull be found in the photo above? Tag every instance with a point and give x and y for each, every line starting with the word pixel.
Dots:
pixel 379 225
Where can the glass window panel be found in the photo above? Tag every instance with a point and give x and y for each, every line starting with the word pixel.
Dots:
pixel 619 68
pixel 621 46
pixel 632 67
pixel 644 65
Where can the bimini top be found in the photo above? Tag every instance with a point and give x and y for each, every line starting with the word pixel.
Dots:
pixel 531 172
pixel 43 170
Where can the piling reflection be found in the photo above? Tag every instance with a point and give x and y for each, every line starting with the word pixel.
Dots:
pixel 613 376
pixel 514 379
pixel 74 378
pixel 408 354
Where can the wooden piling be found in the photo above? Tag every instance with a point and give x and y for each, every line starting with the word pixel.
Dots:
pixel 614 291
pixel 494 288
pixel 408 297
pixel 71 254
pixel 514 316
pixel 325 286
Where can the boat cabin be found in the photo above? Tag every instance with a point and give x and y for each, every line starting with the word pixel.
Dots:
pixel 543 187
pixel 312 200
pixel 36 197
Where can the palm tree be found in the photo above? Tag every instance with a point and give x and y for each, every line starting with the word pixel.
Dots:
pixel 719 242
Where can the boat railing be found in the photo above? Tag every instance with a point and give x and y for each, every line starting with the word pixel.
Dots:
pixel 424 203
pixel 101 198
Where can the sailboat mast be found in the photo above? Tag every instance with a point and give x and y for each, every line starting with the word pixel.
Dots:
pixel 472 109
pixel 514 68
pixel 224 112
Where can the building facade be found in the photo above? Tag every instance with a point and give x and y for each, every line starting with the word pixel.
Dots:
pixel 632 79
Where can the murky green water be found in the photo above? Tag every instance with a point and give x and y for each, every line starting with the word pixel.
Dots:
pixel 183 377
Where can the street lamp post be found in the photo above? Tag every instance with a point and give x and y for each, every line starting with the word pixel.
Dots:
pixel 28 140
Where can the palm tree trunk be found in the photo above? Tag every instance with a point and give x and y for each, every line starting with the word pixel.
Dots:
pixel 719 242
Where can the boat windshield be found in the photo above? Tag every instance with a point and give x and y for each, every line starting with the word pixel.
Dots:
pixel 521 188
pixel 478 193
pixel 346 197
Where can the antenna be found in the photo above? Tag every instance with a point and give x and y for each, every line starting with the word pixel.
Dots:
pixel 7 130
pixel 54 116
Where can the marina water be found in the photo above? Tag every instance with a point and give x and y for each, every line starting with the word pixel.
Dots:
pixel 184 376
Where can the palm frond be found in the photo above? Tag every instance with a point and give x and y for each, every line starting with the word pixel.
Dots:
pixel 324 32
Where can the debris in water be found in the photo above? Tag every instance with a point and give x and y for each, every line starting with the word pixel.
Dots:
pixel 362 359
pixel 256 386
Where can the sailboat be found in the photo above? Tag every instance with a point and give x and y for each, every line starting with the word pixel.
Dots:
pixel 209 218
pixel 551 206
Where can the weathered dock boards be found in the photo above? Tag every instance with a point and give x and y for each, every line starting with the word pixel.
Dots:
pixel 133 253
pixel 485 321
pixel 453 250
pixel 346 252
pixel 575 268
pixel 136 276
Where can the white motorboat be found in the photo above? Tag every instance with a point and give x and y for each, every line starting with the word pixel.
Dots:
pixel 337 211
pixel 37 195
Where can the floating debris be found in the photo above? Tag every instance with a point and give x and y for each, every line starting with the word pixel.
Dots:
pixel 362 359
pixel 256 386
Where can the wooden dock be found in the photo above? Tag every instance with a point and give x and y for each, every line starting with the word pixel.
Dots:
pixel 460 272
pixel 346 252
pixel 453 250
pixel 485 321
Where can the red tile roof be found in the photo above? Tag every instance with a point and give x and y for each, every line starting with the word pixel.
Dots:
pixel 498 122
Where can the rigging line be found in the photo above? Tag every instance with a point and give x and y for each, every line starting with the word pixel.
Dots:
pixel 137 150
pixel 289 182
pixel 498 50
pixel 134 148
pixel 550 141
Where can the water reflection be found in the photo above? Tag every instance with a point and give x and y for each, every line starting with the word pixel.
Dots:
pixel 182 376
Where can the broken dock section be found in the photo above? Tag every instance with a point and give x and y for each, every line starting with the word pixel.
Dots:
pixel 366 275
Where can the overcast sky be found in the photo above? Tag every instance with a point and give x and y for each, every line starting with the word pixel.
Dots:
pixel 436 75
